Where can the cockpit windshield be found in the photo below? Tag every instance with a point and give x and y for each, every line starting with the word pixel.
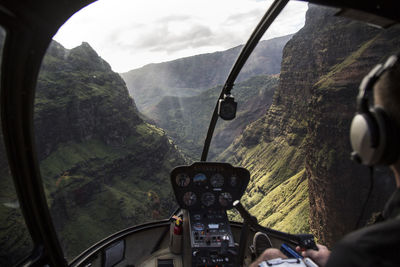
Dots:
pixel 125 94
pixel 119 105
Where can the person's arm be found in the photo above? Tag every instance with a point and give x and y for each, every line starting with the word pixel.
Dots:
pixel 319 256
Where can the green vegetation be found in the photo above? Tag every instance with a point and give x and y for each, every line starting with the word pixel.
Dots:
pixel 286 207
pixel 277 193
pixel 103 168
pixel 130 189
pixel 327 81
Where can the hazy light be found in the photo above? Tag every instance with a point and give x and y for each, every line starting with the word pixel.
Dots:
pixel 129 34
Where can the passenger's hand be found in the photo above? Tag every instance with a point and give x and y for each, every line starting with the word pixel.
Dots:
pixel 319 256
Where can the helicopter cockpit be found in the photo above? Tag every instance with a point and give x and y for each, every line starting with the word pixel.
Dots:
pixel 213 202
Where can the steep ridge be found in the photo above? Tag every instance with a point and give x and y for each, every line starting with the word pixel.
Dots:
pixel 104 169
pixel 338 187
pixel 298 153
pixel 186 119
pixel 192 75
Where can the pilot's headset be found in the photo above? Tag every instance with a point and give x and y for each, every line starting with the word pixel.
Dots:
pixel 374 136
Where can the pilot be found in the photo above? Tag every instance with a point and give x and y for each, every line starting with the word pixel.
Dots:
pixel 379 244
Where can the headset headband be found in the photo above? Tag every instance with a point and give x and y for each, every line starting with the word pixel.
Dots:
pixel 369 81
pixel 373 133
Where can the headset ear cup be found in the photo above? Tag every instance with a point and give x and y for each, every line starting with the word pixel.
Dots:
pixel 388 137
pixel 374 136
pixel 364 138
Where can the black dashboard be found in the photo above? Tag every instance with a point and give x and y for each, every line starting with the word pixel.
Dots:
pixel 208 185
pixel 207 190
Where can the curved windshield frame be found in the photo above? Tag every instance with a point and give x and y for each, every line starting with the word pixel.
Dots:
pixel 83 169
pixel 299 151
pixel 15 239
pixel 104 166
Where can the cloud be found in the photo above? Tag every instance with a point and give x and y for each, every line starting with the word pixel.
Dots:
pixel 252 15
pixel 164 38
pixel 173 18
pixel 129 34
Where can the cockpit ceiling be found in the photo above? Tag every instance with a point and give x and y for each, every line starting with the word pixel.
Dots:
pixel 58 12
pixel 362 10
pixel 366 17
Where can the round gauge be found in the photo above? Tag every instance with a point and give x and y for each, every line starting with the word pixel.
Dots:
pixel 199 178
pixel 217 180
pixel 207 199
pixel 225 199
pixel 189 198
pixel 233 181
pixel 182 180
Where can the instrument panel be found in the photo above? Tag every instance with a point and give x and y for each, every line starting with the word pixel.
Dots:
pixel 209 185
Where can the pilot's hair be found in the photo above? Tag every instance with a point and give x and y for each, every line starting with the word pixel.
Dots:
pixel 387 90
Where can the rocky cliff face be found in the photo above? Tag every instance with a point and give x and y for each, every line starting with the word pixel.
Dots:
pixel 302 141
pixel 78 98
pixel 193 75
pixel 338 187
pixel 104 169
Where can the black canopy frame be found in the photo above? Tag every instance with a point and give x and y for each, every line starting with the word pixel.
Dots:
pixel 30 26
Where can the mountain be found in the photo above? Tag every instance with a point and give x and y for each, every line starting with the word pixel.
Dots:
pixel 186 119
pixel 103 167
pixel 193 75
pixel 298 153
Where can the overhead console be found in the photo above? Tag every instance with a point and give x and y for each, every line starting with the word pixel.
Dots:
pixel 207 190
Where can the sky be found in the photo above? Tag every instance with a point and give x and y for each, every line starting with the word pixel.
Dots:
pixel 129 34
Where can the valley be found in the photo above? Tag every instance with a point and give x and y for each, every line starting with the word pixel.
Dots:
pixel 191 76
pixel 106 142
pixel 295 144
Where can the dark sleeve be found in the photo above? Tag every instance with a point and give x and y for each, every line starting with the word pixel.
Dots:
pixel 346 254
pixel 377 245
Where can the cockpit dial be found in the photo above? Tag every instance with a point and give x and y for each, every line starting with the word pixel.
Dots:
pixel 189 198
pixel 182 180
pixel 208 199
pixel 199 178
pixel 233 181
pixel 217 180
pixel 225 199
pixel 210 185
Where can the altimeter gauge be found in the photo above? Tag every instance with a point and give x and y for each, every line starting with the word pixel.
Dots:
pixel 208 199
pixel 233 181
pixel 217 180
pixel 225 199
pixel 189 198
pixel 182 179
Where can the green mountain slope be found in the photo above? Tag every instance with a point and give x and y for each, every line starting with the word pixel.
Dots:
pixel 192 75
pixel 298 153
pixel 277 193
pixel 187 119
pixel 104 169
